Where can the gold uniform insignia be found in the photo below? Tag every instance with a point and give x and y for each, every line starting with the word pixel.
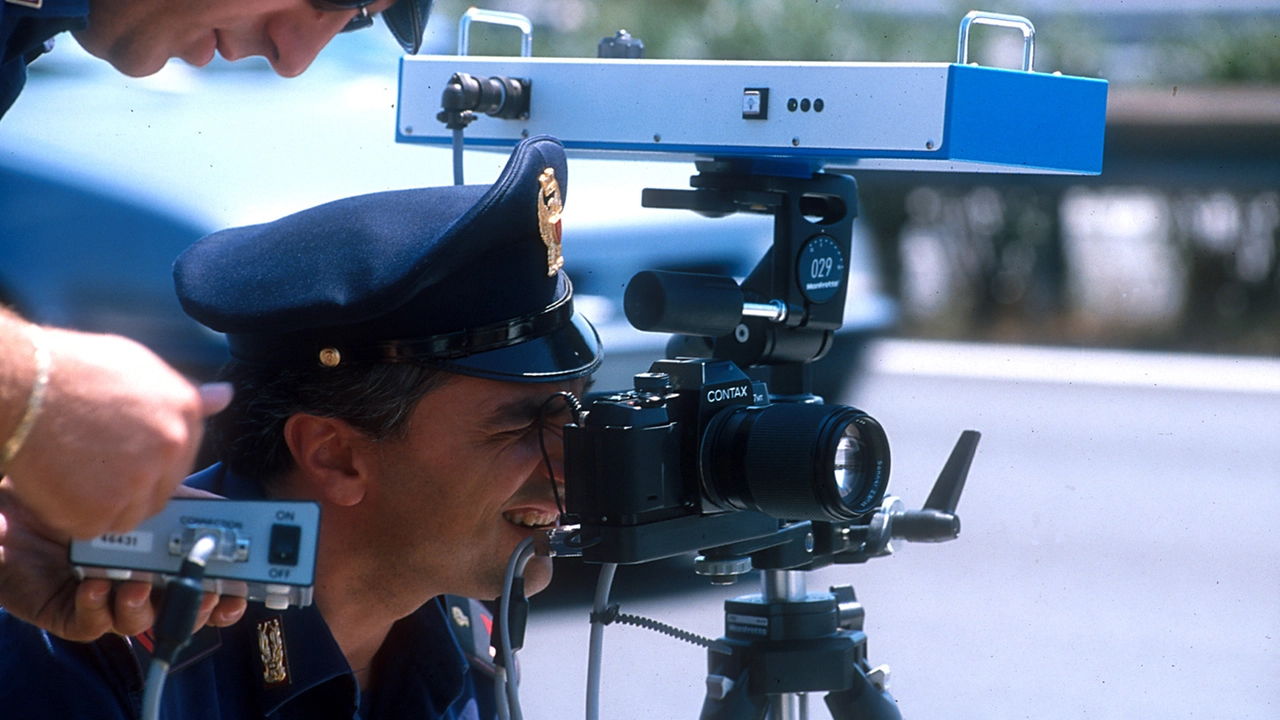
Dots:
pixel 549 207
pixel 460 618
pixel 275 665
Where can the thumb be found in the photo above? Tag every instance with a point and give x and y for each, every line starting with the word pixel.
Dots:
pixel 215 397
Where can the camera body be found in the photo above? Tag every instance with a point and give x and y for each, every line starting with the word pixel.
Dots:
pixel 643 443
pixel 697 456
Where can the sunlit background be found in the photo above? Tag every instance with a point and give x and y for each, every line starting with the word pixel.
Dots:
pixel 1173 247
pixel 1118 557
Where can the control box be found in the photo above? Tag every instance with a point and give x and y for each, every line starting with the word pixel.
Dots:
pixel 942 117
pixel 265 550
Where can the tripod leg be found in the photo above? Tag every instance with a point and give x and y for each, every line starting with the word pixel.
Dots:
pixel 863 701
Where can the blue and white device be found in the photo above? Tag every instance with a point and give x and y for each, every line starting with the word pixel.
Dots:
pixel 265 550
pixel 948 117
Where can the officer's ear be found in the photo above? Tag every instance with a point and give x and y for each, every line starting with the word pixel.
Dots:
pixel 329 455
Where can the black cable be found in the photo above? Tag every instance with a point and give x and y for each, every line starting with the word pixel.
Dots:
pixel 575 406
pixel 665 629
pixel 176 621
pixel 604 614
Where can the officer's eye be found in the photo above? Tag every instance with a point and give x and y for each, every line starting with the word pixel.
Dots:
pixel 516 431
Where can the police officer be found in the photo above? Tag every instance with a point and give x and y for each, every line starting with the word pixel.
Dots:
pixel 398 358
pixel 95 430
pixel 139 36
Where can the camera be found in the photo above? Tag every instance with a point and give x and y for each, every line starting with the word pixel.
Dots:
pixel 668 466
pixel 731 445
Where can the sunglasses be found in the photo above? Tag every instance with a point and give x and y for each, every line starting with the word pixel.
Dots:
pixel 362 18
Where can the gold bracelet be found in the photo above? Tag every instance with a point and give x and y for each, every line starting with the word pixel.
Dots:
pixel 35 401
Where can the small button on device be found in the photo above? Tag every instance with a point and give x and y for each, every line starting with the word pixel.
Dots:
pixel 755 103
pixel 285 540
pixel 277 597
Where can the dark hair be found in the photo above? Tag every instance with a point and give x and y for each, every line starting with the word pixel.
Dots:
pixel 248 437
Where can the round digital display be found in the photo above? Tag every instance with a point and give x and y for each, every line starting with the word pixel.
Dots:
pixel 820 269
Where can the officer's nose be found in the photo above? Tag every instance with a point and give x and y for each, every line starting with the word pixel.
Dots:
pixel 299 35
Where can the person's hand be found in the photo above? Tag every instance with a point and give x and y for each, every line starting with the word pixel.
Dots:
pixel 118 432
pixel 38 585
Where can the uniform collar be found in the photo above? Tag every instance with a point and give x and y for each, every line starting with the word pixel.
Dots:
pixel 293 654
pixel 218 480
pixel 292 651
pixel 421 669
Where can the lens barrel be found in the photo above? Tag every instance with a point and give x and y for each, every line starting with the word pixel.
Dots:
pixel 795 461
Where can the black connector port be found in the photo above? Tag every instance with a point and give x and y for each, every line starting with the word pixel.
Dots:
pixel 500 97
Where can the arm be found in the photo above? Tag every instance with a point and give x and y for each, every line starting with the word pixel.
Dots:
pixel 117 431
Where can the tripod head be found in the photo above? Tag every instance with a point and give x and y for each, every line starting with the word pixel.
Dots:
pixel 787 309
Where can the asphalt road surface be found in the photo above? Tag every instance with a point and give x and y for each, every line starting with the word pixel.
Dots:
pixel 1119 555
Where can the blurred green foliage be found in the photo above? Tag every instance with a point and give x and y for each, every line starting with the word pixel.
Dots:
pixel 1142 47
pixel 1238 52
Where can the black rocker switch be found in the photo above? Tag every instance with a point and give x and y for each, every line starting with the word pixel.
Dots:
pixel 285 540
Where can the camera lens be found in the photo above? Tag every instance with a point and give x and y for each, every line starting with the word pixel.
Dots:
pixel 795 462
pixel 848 462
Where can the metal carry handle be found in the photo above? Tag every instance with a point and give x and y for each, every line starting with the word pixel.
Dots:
pixel 978 17
pixel 495 17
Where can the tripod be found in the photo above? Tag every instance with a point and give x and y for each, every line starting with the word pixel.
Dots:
pixel 786 643
pixel 729 451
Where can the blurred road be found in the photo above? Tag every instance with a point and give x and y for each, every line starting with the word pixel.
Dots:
pixel 1119 557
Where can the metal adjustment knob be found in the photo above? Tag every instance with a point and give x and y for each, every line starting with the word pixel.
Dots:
pixel 651 382
pixel 722 571
pixel 652 388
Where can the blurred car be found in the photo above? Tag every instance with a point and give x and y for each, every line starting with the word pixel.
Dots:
pixel 74 256
pixel 105 179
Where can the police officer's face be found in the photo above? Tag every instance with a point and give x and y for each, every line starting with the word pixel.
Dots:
pixel 139 36
pixel 468 482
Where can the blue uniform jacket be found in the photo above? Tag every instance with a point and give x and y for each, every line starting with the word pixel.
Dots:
pixel 26 31
pixel 422 670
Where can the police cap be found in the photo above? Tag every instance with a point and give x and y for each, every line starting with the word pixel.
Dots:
pixel 464 278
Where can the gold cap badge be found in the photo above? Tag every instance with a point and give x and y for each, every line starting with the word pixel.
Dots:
pixel 549 207
pixel 275 664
